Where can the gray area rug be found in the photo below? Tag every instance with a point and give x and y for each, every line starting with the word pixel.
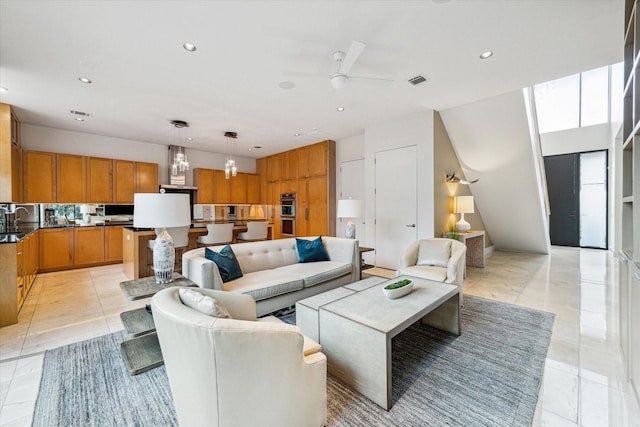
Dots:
pixel 488 376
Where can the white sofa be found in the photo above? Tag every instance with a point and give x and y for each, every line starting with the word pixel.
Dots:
pixel 272 274
pixel 238 371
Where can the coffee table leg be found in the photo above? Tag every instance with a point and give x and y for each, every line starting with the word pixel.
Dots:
pixel 446 317
pixel 358 355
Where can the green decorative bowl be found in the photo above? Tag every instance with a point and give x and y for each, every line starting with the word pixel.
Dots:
pixel 398 291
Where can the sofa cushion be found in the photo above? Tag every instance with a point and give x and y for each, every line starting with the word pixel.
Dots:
pixel 434 252
pixel 226 262
pixel 308 347
pixel 203 303
pixel 311 250
pixel 265 284
pixel 265 255
pixel 318 272
pixel 429 272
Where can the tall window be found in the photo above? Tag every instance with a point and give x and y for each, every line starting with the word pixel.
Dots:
pixel 573 101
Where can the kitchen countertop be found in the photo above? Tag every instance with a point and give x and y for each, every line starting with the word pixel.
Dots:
pixel 15 234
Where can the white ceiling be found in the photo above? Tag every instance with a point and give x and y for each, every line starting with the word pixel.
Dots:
pixel 142 77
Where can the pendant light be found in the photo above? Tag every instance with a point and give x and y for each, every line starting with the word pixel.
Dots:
pixel 230 168
pixel 180 162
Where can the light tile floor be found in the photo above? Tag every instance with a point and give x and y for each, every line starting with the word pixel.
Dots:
pixel 583 385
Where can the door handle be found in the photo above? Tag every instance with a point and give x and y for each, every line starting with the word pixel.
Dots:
pixel 410 225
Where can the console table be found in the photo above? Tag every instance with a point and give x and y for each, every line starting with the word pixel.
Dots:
pixel 474 240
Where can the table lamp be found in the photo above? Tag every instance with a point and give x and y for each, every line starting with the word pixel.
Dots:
pixel 350 208
pixel 463 205
pixel 157 210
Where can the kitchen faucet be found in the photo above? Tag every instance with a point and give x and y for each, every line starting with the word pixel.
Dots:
pixel 16 219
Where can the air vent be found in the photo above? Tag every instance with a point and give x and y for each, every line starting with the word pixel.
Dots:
pixel 257 147
pixel 79 113
pixel 417 80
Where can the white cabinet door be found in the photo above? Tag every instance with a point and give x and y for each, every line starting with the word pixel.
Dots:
pixel 396 204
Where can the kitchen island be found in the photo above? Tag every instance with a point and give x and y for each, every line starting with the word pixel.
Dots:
pixel 138 258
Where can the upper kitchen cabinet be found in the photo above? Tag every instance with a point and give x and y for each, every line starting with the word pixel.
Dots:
pixel 146 177
pixel 238 188
pixel 123 181
pixel 273 168
pixel 203 180
pixel 253 189
pixel 70 173
pixel 10 161
pixel 39 177
pixel 315 159
pixel 99 180
pixel 288 165
pixel 222 188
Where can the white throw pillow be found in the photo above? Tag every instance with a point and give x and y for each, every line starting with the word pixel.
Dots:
pixel 203 303
pixel 434 252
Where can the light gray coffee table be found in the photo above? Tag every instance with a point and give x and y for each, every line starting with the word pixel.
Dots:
pixel 356 331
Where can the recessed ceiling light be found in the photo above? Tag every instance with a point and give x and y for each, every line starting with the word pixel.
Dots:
pixel 189 139
pixel 80 119
pixel 84 80
pixel 340 108
pixel 190 47
pixel 286 85
pixel 485 55
pixel 296 134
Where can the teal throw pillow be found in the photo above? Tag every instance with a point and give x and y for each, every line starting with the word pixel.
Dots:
pixel 311 250
pixel 226 261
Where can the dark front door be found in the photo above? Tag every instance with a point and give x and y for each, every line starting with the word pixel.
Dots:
pixel 563 182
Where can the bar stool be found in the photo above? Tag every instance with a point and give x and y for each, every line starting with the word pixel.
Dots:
pixel 255 231
pixel 218 234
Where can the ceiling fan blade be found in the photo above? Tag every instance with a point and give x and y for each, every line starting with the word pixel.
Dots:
pixel 352 55
pixel 377 80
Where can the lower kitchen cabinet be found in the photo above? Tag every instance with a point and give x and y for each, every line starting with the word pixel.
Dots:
pixel 56 249
pixel 88 245
pixel 113 243
pixel 18 274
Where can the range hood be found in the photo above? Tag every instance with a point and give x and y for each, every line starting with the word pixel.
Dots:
pixel 177 187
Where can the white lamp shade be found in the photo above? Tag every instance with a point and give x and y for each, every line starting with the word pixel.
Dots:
pixel 350 208
pixel 151 210
pixel 87 209
pixel 464 204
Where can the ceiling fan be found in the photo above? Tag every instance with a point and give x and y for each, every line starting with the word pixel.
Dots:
pixel 341 77
pixel 345 61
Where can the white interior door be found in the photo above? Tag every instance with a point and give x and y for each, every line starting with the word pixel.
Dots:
pixel 352 185
pixel 396 204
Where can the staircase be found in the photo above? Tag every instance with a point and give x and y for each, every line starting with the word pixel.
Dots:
pixel 497 141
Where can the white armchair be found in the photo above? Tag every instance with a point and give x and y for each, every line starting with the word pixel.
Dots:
pixel 441 260
pixel 238 371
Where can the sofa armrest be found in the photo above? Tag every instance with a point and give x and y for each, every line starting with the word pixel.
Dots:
pixel 410 255
pixel 455 266
pixel 240 306
pixel 345 250
pixel 200 270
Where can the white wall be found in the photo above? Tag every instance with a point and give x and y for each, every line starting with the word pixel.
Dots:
pixel 42 138
pixel 415 129
pixel 492 141
pixel 348 150
pixel 589 138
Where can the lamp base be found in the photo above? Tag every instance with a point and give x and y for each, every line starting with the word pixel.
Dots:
pixel 463 225
pixel 164 256
pixel 350 232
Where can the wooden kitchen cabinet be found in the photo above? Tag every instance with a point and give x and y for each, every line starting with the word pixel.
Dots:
pixel 238 188
pixel 99 180
pixel 222 188
pixel 314 160
pixel 253 189
pixel 10 156
pixel 203 180
pixel 39 177
pixel 88 245
pixel 70 182
pixel 288 165
pixel 146 177
pixel 56 249
pixel 124 182
pixel 273 168
pixel 113 243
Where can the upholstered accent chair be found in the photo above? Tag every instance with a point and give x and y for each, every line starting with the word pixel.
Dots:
pixel 218 234
pixel 256 230
pixel 238 371
pixel 441 260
